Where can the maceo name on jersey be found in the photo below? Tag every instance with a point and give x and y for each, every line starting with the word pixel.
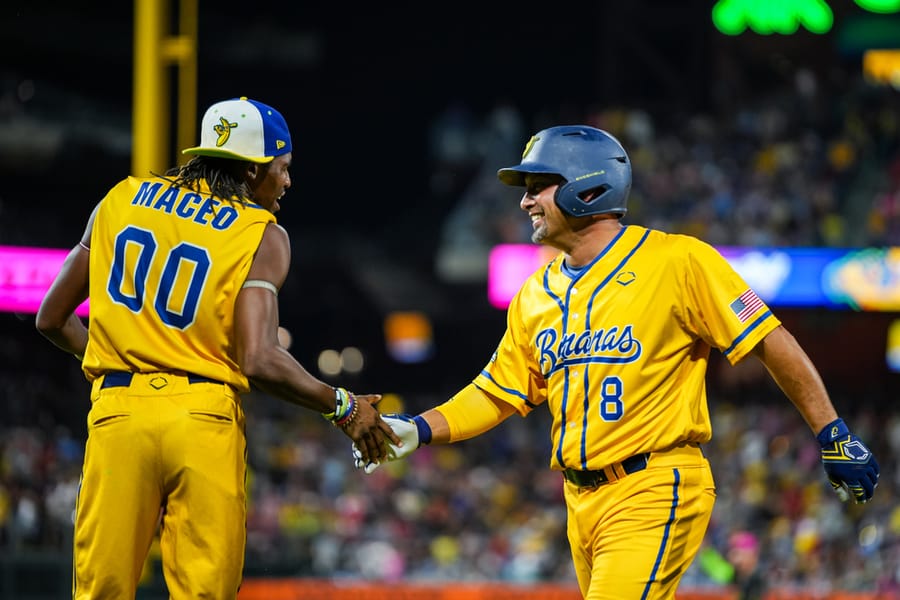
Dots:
pixel 610 345
pixel 185 204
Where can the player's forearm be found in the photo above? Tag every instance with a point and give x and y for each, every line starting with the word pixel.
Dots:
pixel 56 319
pixel 797 377
pixel 469 413
pixel 71 335
pixel 277 373
pixel 440 428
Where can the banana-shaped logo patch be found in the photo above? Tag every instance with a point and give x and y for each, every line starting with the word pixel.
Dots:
pixel 224 130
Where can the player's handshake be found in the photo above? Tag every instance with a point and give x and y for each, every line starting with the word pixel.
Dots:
pixel 412 431
pixel 850 465
pixel 357 416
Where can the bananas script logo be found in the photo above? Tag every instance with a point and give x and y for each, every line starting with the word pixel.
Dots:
pixel 224 131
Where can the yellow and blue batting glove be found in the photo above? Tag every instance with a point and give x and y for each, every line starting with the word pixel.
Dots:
pixel 413 431
pixel 850 465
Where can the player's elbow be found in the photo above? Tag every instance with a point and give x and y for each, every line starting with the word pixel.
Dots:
pixel 259 365
pixel 48 324
pixel 251 366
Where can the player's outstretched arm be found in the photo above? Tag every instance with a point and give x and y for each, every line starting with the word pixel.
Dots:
pixel 849 464
pixel 469 413
pixel 271 368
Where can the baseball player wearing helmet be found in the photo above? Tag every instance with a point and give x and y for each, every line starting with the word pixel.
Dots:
pixel 613 335
pixel 183 273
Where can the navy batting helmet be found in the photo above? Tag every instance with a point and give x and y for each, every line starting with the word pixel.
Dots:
pixel 589 159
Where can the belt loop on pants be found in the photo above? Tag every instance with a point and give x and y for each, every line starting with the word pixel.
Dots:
pixel 591 479
pixel 123 379
pixel 116 379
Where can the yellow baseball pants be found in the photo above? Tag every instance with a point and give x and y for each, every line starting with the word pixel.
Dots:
pixel 162 451
pixel 635 536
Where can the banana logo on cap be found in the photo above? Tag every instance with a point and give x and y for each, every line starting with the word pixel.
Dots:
pixel 224 131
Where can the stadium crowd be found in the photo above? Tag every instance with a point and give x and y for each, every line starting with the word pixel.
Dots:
pixel 812 163
pixel 490 509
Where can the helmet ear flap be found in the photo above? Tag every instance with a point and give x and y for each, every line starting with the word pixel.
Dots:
pixel 579 200
pixel 589 194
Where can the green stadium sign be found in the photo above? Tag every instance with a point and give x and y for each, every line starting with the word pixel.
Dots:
pixel 880 6
pixel 733 17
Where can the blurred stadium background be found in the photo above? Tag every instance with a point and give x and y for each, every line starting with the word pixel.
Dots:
pixel 773 127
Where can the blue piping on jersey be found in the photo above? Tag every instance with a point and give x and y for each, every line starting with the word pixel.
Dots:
pixel 609 246
pixel 557 299
pixel 587 317
pixel 747 331
pixel 587 325
pixel 509 391
pixel 666 533
pixel 562 429
pixel 584 419
pixel 565 310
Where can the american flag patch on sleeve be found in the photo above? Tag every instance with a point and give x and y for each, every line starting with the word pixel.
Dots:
pixel 746 305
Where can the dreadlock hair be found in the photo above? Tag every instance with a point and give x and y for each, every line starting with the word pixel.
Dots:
pixel 223 175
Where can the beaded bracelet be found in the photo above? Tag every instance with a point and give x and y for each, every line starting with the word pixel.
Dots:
pixel 351 414
pixel 345 408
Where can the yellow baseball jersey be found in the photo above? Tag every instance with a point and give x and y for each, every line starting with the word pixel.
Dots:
pixel 619 350
pixel 166 267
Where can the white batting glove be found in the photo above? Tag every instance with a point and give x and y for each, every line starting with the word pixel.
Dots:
pixel 406 429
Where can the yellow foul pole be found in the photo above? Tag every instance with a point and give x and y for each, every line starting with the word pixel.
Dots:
pixel 155 50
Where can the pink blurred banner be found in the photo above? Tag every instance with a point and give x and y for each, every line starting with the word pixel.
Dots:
pixel 25 276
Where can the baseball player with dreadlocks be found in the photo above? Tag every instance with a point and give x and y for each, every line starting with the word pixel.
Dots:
pixel 183 273
pixel 613 336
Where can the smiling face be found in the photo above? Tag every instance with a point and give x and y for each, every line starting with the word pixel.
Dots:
pixel 270 181
pixel 547 220
pixel 581 238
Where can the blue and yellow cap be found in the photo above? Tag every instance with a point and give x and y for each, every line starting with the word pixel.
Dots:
pixel 242 129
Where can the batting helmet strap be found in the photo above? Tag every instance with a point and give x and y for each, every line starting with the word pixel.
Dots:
pixel 589 159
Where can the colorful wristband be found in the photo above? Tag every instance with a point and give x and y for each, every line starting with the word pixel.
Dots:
pixel 345 408
pixel 348 418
